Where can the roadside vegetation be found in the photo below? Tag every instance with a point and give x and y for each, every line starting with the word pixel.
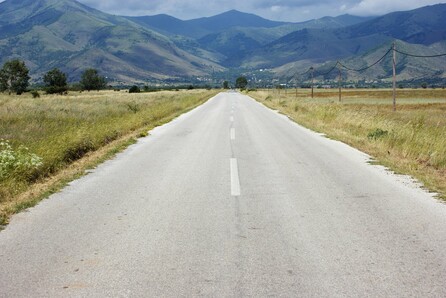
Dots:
pixel 47 140
pixel 411 140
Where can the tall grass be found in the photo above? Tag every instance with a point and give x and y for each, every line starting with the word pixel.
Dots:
pixel 411 140
pixel 60 130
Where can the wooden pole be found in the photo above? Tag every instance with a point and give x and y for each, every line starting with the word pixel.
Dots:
pixel 340 84
pixel 394 77
pixel 296 85
pixel 312 82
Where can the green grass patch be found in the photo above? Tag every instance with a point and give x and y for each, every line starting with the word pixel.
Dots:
pixel 43 137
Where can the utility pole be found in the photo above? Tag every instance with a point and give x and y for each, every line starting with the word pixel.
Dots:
pixel 340 84
pixel 394 77
pixel 296 84
pixel 312 81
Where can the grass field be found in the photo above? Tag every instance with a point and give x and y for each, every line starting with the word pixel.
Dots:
pixel 47 141
pixel 411 140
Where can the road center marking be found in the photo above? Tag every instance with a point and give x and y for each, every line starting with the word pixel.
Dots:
pixel 232 134
pixel 235 182
pixel 232 119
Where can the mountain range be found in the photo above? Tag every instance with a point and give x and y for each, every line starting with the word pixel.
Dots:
pixel 71 36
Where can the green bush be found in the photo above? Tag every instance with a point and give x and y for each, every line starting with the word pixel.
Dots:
pixel 134 89
pixel 377 134
pixel 35 94
pixel 17 162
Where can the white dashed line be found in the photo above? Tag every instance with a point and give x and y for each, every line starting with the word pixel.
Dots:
pixel 235 182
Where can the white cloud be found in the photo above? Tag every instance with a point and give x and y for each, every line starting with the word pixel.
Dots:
pixel 283 10
pixel 276 8
pixel 380 7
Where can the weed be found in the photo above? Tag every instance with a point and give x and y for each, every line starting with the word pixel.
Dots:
pixel 377 134
pixel 133 107
pixel 143 134
pixel 283 103
pixel 17 163
pixel 35 94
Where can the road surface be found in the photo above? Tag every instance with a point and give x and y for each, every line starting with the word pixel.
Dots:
pixel 230 200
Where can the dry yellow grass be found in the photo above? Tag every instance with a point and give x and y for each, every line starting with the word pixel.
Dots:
pixel 411 140
pixel 70 133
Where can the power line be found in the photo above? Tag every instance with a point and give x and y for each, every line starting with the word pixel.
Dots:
pixel 392 50
pixel 304 73
pixel 367 67
pixel 326 73
pixel 420 56
pixel 370 66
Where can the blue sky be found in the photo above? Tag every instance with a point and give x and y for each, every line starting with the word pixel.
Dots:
pixel 282 10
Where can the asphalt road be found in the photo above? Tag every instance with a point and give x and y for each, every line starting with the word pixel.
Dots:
pixel 230 200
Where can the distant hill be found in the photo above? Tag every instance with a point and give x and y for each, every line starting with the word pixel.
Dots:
pixel 408 68
pixel 169 25
pixel 309 44
pixel 235 43
pixel 425 25
pixel 234 18
pixel 198 28
pixel 72 36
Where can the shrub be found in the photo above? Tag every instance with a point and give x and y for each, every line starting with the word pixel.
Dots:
pixel 134 89
pixel 133 107
pixel 377 134
pixel 17 162
pixel 35 94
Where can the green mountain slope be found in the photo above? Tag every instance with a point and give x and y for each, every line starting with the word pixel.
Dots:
pixel 71 36
pixel 408 68
pixel 309 44
pixel 198 28
pixel 235 43
pixel 425 25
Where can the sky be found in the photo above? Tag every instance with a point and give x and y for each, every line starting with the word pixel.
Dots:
pixel 280 10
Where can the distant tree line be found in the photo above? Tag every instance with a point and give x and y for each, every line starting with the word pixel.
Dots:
pixel 14 78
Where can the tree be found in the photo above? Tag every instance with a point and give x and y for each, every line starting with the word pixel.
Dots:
pixel 134 89
pixel 14 77
pixel 225 85
pixel 55 82
pixel 241 83
pixel 91 80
